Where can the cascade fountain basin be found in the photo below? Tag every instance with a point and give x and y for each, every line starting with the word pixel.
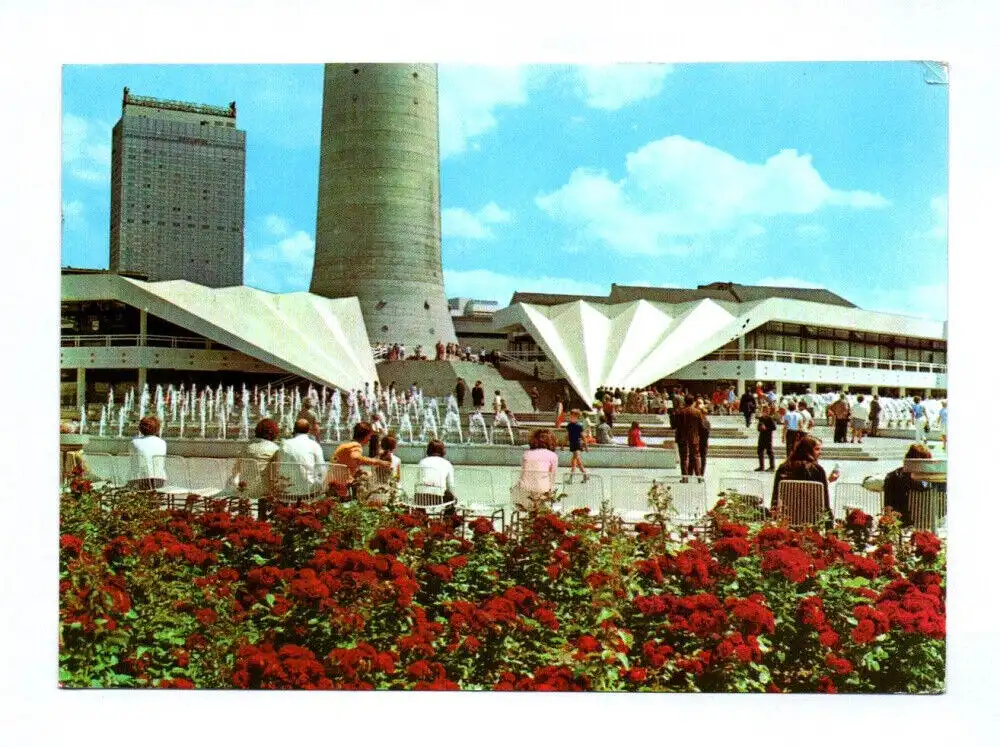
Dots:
pixel 494 455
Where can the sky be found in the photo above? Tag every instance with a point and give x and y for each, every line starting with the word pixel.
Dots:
pixel 566 178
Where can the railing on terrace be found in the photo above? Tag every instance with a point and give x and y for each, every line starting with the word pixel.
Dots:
pixel 523 355
pixel 822 359
pixel 153 341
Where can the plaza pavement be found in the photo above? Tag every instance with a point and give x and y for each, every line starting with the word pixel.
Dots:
pixel 615 483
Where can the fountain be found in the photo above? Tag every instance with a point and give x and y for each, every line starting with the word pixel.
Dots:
pixel 103 421
pixel 244 421
pixel 429 424
pixel 406 427
pixel 478 425
pixel 502 421
pixel 452 426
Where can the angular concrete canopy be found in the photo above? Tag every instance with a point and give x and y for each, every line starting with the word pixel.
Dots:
pixel 321 339
pixel 636 343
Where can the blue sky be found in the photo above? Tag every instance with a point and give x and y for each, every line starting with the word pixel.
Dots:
pixel 568 178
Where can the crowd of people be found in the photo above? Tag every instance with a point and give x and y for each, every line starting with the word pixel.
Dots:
pixel 443 351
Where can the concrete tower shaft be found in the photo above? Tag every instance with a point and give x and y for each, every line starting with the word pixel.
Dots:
pixel 378 220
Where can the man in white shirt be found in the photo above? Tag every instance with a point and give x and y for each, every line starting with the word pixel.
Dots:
pixel 805 417
pixel 437 475
pixel 790 420
pixel 298 467
pixel 146 472
pixel 859 419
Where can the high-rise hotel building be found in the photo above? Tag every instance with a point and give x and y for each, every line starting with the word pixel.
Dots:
pixel 177 183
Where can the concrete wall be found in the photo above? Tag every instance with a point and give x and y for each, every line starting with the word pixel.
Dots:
pixel 182 359
pixel 510 456
pixel 378 223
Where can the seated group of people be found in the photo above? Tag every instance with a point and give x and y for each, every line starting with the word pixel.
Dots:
pixel 897 487
pixel 295 468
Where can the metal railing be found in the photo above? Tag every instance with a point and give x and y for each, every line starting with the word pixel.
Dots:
pixel 823 359
pixel 123 341
pixel 523 355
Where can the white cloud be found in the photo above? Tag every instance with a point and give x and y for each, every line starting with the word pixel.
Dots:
pixel 939 211
pixel 459 223
pixel 275 225
pixel 495 286
pixel 610 87
pixel 467 99
pixel 86 153
pixel 283 261
pixel 675 190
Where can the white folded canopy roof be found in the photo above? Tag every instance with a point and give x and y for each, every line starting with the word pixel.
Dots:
pixel 318 338
pixel 636 343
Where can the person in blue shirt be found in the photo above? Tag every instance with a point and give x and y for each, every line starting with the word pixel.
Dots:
pixel 790 420
pixel 942 420
pixel 919 421
pixel 574 432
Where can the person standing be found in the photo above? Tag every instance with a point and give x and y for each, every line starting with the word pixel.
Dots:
pixel 574 433
pixel 560 412
pixel 460 389
pixel 873 414
pixel 765 444
pixel 497 403
pixel 687 435
pixel 608 408
pixel 942 420
pixel 748 405
pixel 840 411
pixel 478 396
pixel 859 417
pixel 704 430
pixel 805 418
pixel 920 425
pixel 790 420
pixel 535 396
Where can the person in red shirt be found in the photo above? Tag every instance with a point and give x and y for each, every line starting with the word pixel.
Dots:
pixel 635 436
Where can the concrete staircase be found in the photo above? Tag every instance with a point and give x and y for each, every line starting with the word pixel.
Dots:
pixel 438 378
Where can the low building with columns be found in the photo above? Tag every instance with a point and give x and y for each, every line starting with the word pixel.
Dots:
pixel 788 338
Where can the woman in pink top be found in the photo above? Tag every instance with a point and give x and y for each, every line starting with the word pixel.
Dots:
pixel 538 469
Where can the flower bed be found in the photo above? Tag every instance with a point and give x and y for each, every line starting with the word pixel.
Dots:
pixel 348 596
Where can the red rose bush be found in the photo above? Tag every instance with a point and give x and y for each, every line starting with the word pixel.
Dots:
pixel 350 596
